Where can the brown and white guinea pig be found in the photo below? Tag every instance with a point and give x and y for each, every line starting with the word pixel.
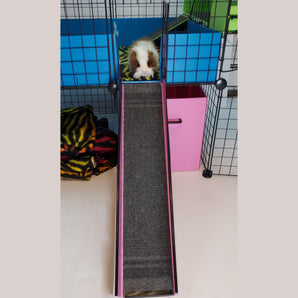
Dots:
pixel 143 58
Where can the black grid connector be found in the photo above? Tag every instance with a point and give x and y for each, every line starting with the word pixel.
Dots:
pixel 221 84
pixel 207 173
pixel 113 87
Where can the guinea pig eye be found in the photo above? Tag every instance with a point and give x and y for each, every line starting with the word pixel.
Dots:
pixel 149 63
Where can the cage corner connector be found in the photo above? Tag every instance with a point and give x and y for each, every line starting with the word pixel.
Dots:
pixel 221 84
pixel 207 173
pixel 113 87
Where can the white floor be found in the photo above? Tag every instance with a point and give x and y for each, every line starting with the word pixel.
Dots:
pixel 205 218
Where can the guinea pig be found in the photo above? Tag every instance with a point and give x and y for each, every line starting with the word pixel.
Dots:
pixel 143 58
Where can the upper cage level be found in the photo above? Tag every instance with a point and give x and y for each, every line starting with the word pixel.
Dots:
pixel 96 36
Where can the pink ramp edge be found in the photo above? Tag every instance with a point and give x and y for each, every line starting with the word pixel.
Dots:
pixel 121 181
pixel 165 125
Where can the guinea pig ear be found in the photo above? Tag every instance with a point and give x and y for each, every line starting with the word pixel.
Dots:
pixel 133 61
pixel 152 62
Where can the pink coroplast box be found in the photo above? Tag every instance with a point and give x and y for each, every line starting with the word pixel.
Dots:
pixel 186 107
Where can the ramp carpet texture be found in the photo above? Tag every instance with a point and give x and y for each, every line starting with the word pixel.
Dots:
pixel 147 266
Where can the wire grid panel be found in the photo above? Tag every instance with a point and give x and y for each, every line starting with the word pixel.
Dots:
pixel 225 154
pixel 146 8
pixel 230 60
pixel 92 9
pixel 220 144
pixel 102 101
pixel 85 9
pixel 89 55
pixel 88 59
pixel 213 98
pixel 214 14
pixel 197 41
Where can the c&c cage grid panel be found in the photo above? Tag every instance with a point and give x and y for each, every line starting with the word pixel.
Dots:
pixel 220 143
pixel 88 43
pixel 219 149
pixel 89 57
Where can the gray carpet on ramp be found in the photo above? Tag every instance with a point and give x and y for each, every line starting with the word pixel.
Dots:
pixel 147 252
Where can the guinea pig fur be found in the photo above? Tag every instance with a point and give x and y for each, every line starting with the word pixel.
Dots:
pixel 143 58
